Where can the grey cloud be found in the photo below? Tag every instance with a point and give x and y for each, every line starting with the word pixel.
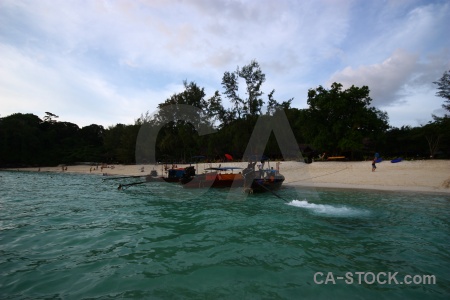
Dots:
pixel 385 80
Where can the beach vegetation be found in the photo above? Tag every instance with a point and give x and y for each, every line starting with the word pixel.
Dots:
pixel 253 78
pixel 337 122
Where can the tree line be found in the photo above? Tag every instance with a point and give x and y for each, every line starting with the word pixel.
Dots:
pixel 337 121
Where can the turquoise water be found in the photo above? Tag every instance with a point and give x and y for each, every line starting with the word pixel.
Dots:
pixel 76 236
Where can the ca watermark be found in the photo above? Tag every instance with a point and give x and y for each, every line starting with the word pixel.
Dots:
pixel 276 124
pixel 389 278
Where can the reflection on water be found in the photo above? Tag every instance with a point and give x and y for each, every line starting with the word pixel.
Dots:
pixel 76 236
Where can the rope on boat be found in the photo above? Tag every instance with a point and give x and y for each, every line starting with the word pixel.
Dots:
pixel 271 191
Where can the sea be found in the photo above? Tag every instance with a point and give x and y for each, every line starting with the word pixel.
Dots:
pixel 76 236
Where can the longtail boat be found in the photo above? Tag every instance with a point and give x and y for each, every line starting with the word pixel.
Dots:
pixel 173 175
pixel 261 180
pixel 214 178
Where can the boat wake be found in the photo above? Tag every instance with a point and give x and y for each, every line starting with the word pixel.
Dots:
pixel 329 210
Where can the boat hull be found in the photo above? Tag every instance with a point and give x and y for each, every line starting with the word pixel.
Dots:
pixel 213 180
pixel 162 179
pixel 264 185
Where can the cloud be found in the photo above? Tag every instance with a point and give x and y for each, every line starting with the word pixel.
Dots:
pixel 32 85
pixel 402 85
pixel 385 80
pixel 124 57
pixel 191 36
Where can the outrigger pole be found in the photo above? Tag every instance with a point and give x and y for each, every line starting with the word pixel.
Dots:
pixel 121 186
pixel 137 176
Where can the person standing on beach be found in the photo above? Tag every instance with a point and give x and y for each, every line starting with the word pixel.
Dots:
pixel 373 164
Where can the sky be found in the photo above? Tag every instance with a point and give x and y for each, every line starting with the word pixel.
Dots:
pixel 107 62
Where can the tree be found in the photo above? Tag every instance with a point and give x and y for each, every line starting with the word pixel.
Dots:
pixel 254 78
pixel 21 140
pixel 120 142
pixel 273 105
pixel 230 82
pixel 433 136
pixel 339 120
pixel 27 140
pixel 181 118
pixel 437 135
pixel 49 117
pixel 144 118
pixel 215 110
pixel 444 89
pixel 403 142
pixel 172 113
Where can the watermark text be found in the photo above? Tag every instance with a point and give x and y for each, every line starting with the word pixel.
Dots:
pixel 373 278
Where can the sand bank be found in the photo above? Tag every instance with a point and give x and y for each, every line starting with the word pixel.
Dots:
pixel 414 176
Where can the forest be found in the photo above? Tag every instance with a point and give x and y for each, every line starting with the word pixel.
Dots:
pixel 337 122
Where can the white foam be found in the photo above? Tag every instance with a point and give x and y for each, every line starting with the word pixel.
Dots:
pixel 325 209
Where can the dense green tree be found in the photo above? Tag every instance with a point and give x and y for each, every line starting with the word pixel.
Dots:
pixel 92 135
pixel 90 144
pixel 179 136
pixel 172 112
pixel 298 119
pixel 216 113
pixel 406 142
pixel 21 140
pixel 27 140
pixel 339 120
pixel 120 143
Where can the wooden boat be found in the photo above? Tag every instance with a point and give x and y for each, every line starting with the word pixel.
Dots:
pixel 173 175
pixel 215 178
pixel 262 180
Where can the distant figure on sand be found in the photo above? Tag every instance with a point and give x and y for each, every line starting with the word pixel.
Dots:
pixel 373 164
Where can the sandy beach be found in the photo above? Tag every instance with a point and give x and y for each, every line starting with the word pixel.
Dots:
pixel 413 176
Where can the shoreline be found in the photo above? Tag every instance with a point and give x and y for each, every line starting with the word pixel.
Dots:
pixel 425 176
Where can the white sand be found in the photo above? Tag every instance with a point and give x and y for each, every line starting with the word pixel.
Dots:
pixel 416 176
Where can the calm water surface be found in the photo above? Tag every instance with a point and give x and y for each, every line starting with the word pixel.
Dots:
pixel 76 236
